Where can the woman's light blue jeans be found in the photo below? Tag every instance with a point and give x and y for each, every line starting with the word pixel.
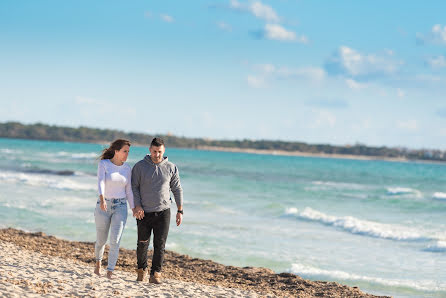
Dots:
pixel 113 219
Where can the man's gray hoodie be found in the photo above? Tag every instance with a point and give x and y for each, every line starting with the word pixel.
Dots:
pixel 151 184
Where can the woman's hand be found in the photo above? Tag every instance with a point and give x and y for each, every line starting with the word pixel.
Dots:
pixel 103 203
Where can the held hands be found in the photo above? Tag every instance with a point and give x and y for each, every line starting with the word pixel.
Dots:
pixel 138 212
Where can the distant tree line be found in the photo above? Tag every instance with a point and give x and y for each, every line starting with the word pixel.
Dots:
pixel 41 131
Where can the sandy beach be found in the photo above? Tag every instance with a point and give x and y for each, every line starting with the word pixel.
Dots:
pixel 33 264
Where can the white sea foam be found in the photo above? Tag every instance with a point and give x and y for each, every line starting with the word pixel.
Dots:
pixel 394 191
pixel 83 155
pixel 40 180
pixel 317 273
pixel 439 196
pixel 9 151
pixel 359 226
pixel 439 246
pixel 339 185
pixel 18 206
pixel 292 210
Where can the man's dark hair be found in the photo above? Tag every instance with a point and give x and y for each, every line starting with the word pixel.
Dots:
pixel 157 142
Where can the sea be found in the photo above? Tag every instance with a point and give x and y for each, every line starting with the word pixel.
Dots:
pixel 377 225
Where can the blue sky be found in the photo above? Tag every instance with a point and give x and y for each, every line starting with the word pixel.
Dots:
pixel 337 72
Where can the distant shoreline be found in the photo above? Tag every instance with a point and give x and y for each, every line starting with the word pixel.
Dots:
pixel 358 151
pixel 261 151
pixel 308 154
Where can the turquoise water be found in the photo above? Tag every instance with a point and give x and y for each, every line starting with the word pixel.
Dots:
pixel 373 224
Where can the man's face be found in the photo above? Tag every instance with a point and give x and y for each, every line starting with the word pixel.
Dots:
pixel 156 153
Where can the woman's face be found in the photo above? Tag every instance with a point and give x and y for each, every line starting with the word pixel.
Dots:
pixel 122 154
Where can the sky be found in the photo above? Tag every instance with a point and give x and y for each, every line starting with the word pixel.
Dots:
pixel 331 72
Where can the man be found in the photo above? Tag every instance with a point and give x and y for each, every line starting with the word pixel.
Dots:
pixel 152 180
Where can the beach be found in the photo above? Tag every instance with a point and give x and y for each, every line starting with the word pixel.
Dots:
pixel 360 223
pixel 33 264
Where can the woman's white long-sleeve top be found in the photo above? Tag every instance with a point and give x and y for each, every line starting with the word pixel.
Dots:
pixel 114 182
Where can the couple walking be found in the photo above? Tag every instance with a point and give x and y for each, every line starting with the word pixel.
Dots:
pixel 147 188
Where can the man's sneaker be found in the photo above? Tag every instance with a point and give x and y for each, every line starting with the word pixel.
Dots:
pixel 142 274
pixel 155 278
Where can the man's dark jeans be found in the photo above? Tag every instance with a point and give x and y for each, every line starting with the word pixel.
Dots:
pixel 158 222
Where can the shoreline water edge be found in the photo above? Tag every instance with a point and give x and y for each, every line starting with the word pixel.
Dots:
pixel 246 281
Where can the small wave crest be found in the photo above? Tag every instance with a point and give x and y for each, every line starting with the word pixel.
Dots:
pixel 40 180
pixel 338 185
pixel 359 226
pixel 395 191
pixel 317 273
pixel 439 196
pixel 82 155
pixel 9 151
pixel 51 172
pixel 439 246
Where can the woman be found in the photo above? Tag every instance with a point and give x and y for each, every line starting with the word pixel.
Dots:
pixel 114 186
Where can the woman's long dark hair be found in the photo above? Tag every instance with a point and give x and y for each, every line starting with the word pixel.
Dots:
pixel 109 152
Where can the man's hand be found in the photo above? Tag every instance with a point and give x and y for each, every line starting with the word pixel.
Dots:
pixel 138 212
pixel 179 218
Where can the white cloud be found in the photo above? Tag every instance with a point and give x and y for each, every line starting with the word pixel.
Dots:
pixel 411 125
pixel 436 36
pixel 362 125
pixel 324 119
pixel 389 52
pixel 267 68
pixel 90 108
pixel 311 73
pixel 224 26
pixel 283 72
pixel 352 84
pixel 268 72
pixel 436 62
pixel 263 11
pixel 235 4
pixel 328 103
pixel 277 32
pixel 257 9
pixel 80 100
pixel 428 78
pixel 148 14
pixel 400 93
pixel 350 62
pixel 167 18
pixel 256 82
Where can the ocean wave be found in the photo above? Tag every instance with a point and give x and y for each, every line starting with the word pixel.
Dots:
pixel 40 180
pixel 339 185
pixel 83 155
pixel 439 246
pixel 17 206
pixel 9 151
pixel 317 273
pixel 439 196
pixel 51 172
pixel 291 211
pixel 394 191
pixel 359 226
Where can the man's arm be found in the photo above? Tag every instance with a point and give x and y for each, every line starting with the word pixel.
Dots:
pixel 138 212
pixel 177 190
